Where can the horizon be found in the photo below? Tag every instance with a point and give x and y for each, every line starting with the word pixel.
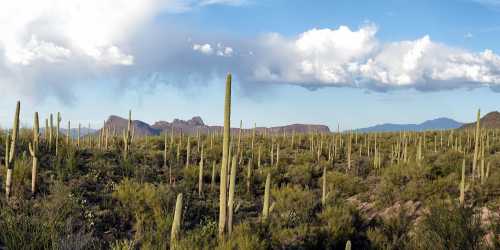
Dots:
pixel 27 125
pixel 329 63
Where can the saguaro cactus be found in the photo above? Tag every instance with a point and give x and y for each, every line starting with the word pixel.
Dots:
pixel 33 148
pixel 188 151
pixel 127 136
pixel 58 124
pixel 349 149
pixel 51 131
pixel 225 154
pixel 348 245
pixel 200 176
pixel 249 176
pixel 267 193
pixel 10 151
pixel 176 224
pixel 323 195
pixel 462 185
pixel 476 144
pixel 230 202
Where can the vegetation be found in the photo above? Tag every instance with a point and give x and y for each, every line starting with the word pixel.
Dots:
pixel 255 190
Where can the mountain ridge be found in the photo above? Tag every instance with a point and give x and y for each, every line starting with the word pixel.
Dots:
pixel 195 124
pixel 441 123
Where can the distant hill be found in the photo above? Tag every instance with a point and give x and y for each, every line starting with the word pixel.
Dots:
pixel 490 120
pixel 191 126
pixel 435 124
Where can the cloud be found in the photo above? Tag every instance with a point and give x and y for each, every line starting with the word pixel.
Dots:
pixel 220 50
pixel 204 49
pixel 355 58
pixel 48 48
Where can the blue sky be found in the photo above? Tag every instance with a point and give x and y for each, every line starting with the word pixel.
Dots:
pixel 357 63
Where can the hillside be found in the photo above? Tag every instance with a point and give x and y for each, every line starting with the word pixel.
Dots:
pixel 435 124
pixel 490 120
pixel 195 124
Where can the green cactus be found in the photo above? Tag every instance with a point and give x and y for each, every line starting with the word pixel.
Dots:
pixel 176 224
pixel 188 151
pixel 225 155
pixel 33 148
pixel 249 176
pixel 51 131
pixel 200 176
pixel 476 144
pixel 10 151
pixel 267 193
pixel 127 136
pixel 462 185
pixel 58 124
pixel 348 245
pixel 323 194
pixel 230 202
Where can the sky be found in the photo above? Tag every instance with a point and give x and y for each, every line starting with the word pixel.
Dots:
pixel 352 63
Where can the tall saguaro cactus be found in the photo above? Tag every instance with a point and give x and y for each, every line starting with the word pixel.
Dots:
pixel 33 148
pixel 476 144
pixel 462 185
pixel 127 136
pixel 176 224
pixel 225 157
pixel 323 194
pixel 58 124
pixel 230 202
pixel 11 150
pixel 267 193
pixel 200 175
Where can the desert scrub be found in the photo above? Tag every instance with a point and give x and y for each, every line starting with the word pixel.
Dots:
pixel 391 233
pixel 393 182
pixel 293 205
pixel 341 186
pixel 55 221
pixel 340 223
pixel 449 227
pixel 301 175
pixel 149 207
pixel 444 164
pixel 245 236
pixel 202 237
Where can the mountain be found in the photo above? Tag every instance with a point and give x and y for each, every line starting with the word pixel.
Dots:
pixel 118 124
pixel 435 124
pixel 490 120
pixel 191 126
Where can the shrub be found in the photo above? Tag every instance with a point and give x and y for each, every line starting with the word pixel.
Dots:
pixel 449 227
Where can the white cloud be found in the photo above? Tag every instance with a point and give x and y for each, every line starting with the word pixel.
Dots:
pixel 345 57
pixel 37 50
pixel 220 50
pixel 204 49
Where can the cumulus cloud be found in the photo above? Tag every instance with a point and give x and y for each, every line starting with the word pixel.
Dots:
pixel 345 57
pixel 46 47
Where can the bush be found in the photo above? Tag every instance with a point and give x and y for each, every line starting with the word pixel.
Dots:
pixel 449 227
pixel 149 206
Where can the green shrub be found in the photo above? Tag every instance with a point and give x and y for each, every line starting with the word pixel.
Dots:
pixel 449 227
